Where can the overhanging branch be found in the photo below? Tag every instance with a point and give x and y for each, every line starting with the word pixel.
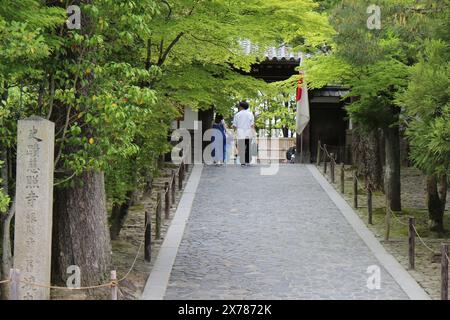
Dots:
pixel 166 52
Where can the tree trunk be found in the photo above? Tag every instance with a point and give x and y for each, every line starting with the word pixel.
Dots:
pixel 4 170
pixel 118 215
pixel 4 223
pixel 285 132
pixel 270 128
pixel 4 154
pixel 80 231
pixel 443 191
pixel 367 157
pixel 392 182
pixel 436 200
pixel 7 260
pixel 80 224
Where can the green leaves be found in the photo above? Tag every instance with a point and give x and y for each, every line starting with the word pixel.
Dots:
pixel 114 87
pixel 197 45
pixel 23 38
pixel 328 69
pixel 4 199
pixel 374 64
pixel 427 105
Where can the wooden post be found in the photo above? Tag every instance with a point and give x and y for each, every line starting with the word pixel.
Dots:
pixel 158 216
pixel 114 287
pixel 148 237
pixel 342 178
pixel 411 243
pixel 173 188
pixel 319 148
pixel 182 171
pixel 369 205
pixel 332 167
pixel 167 201
pixel 444 272
pixel 355 190
pixel 14 275
pixel 388 223
pixel 324 159
pixel 180 177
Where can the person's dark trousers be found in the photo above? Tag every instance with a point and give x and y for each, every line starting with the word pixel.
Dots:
pixel 244 150
pixel 247 151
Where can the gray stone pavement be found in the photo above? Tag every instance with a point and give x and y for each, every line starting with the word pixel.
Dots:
pixel 271 237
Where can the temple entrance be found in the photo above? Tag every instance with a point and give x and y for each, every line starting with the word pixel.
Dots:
pixel 328 122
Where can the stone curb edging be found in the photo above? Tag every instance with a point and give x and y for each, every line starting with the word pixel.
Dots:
pixel 155 288
pixel 397 271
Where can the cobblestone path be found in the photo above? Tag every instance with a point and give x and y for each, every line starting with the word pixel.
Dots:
pixel 271 237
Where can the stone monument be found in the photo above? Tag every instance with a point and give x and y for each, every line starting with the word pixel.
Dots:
pixel 34 203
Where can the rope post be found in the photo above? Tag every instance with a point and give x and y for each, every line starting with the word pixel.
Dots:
pixel 355 190
pixel 388 223
pixel 332 167
pixel 319 148
pixel 158 216
pixel 148 237
pixel 14 275
pixel 369 205
pixel 444 272
pixel 167 201
pixel 114 286
pixel 180 177
pixel 324 159
pixel 173 188
pixel 343 178
pixel 411 243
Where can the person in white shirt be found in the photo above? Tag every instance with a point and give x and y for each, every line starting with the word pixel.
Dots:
pixel 229 151
pixel 244 122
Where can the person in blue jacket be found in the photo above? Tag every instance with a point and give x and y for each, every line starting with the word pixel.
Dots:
pixel 219 147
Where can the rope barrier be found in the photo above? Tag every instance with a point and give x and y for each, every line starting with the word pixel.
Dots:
pixel 39 285
pixel 134 262
pixel 397 218
pixel 104 285
pixel 415 231
pixel 421 240
pixel 392 213
pixel 328 154
pixel 166 189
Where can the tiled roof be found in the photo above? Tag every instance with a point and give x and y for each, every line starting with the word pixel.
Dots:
pixel 282 52
pixel 331 91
